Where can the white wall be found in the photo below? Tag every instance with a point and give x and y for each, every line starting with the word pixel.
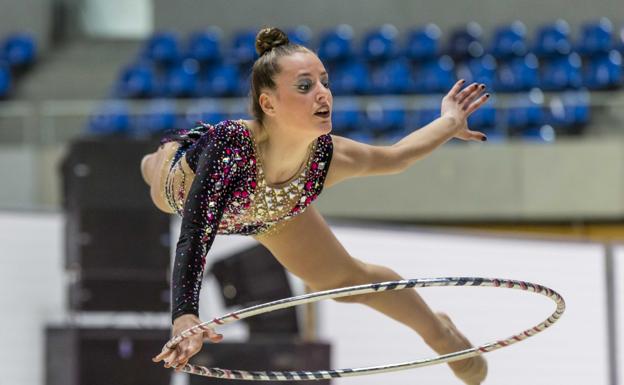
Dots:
pixel 572 351
pixel 31 292
pixel 189 15
pixel 118 18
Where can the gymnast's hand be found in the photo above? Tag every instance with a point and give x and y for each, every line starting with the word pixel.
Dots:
pixel 460 103
pixel 186 349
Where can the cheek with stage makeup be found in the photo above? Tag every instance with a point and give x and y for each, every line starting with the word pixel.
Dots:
pixel 298 110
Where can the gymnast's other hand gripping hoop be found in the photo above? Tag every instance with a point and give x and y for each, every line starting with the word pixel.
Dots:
pixel 363 289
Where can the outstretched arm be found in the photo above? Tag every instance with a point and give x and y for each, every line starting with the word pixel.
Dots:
pixel 203 209
pixel 353 159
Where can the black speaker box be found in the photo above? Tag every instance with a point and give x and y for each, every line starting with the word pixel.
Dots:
pixel 251 277
pixel 268 355
pixel 105 172
pixel 120 290
pixel 117 238
pixel 81 356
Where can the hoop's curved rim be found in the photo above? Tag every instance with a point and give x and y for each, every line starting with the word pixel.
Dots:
pixel 363 289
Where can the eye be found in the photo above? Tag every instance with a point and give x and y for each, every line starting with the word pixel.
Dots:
pixel 326 83
pixel 304 86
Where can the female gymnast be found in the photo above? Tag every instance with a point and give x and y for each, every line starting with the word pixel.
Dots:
pixel 259 178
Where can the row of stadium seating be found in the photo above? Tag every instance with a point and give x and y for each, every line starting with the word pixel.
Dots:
pixel 385 42
pixel 203 67
pixel 384 120
pixel 18 51
pixel 393 77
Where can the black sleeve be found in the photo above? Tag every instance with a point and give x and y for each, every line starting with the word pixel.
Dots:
pixel 203 209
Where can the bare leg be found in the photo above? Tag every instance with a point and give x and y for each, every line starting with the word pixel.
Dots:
pixel 152 167
pixel 307 248
pixel 146 167
pixel 437 330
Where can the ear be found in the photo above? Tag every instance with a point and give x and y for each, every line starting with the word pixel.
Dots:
pixel 267 103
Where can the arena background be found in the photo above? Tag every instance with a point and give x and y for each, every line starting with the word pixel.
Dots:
pixel 542 207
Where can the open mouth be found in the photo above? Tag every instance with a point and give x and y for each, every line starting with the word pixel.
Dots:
pixel 322 114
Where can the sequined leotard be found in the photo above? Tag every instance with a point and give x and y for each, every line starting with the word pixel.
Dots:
pixel 229 195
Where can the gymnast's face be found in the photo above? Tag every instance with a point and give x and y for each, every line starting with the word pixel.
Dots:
pixel 302 98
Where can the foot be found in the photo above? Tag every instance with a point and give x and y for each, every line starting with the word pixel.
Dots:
pixel 472 371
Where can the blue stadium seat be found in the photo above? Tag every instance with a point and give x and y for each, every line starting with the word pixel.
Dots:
pixel 163 48
pixel 509 41
pixel 347 116
pixel 392 77
pixel 244 47
pixel 428 112
pixel 137 80
pixel 386 117
pixel 553 39
pixel 361 136
pixel 244 82
pixel 619 40
pixel 205 46
pixel 485 117
pixel 381 44
pixel 465 42
pixel 480 70
pixel 570 109
pixel 596 38
pixel 182 79
pixel 350 78
pixel 222 80
pixel 543 133
pixel 111 117
pixel 207 111
pixel 159 115
pixel 301 35
pixel 517 74
pixel 494 134
pixel 562 72
pixel 336 44
pixel 5 80
pixel 19 50
pixel 604 71
pixel 526 111
pixel 435 76
pixel 423 44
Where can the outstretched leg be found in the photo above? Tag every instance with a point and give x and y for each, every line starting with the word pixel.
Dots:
pixel 307 248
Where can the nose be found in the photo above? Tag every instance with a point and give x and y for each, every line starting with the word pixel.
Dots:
pixel 324 94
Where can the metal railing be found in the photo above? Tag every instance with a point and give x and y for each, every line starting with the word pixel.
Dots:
pixel 52 122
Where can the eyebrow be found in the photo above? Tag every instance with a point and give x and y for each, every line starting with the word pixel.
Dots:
pixel 324 73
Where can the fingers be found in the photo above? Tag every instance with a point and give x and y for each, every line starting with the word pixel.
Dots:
pixel 478 103
pixel 164 354
pixel 477 136
pixel 185 350
pixel 467 92
pixel 178 358
pixel 170 361
pixel 212 336
pixel 471 98
pixel 456 88
pixel 472 135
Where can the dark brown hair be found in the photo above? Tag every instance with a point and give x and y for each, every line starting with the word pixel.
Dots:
pixel 271 45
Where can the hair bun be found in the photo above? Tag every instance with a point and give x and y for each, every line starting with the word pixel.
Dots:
pixel 269 38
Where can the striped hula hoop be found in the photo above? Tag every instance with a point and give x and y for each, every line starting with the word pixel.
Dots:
pixel 363 289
